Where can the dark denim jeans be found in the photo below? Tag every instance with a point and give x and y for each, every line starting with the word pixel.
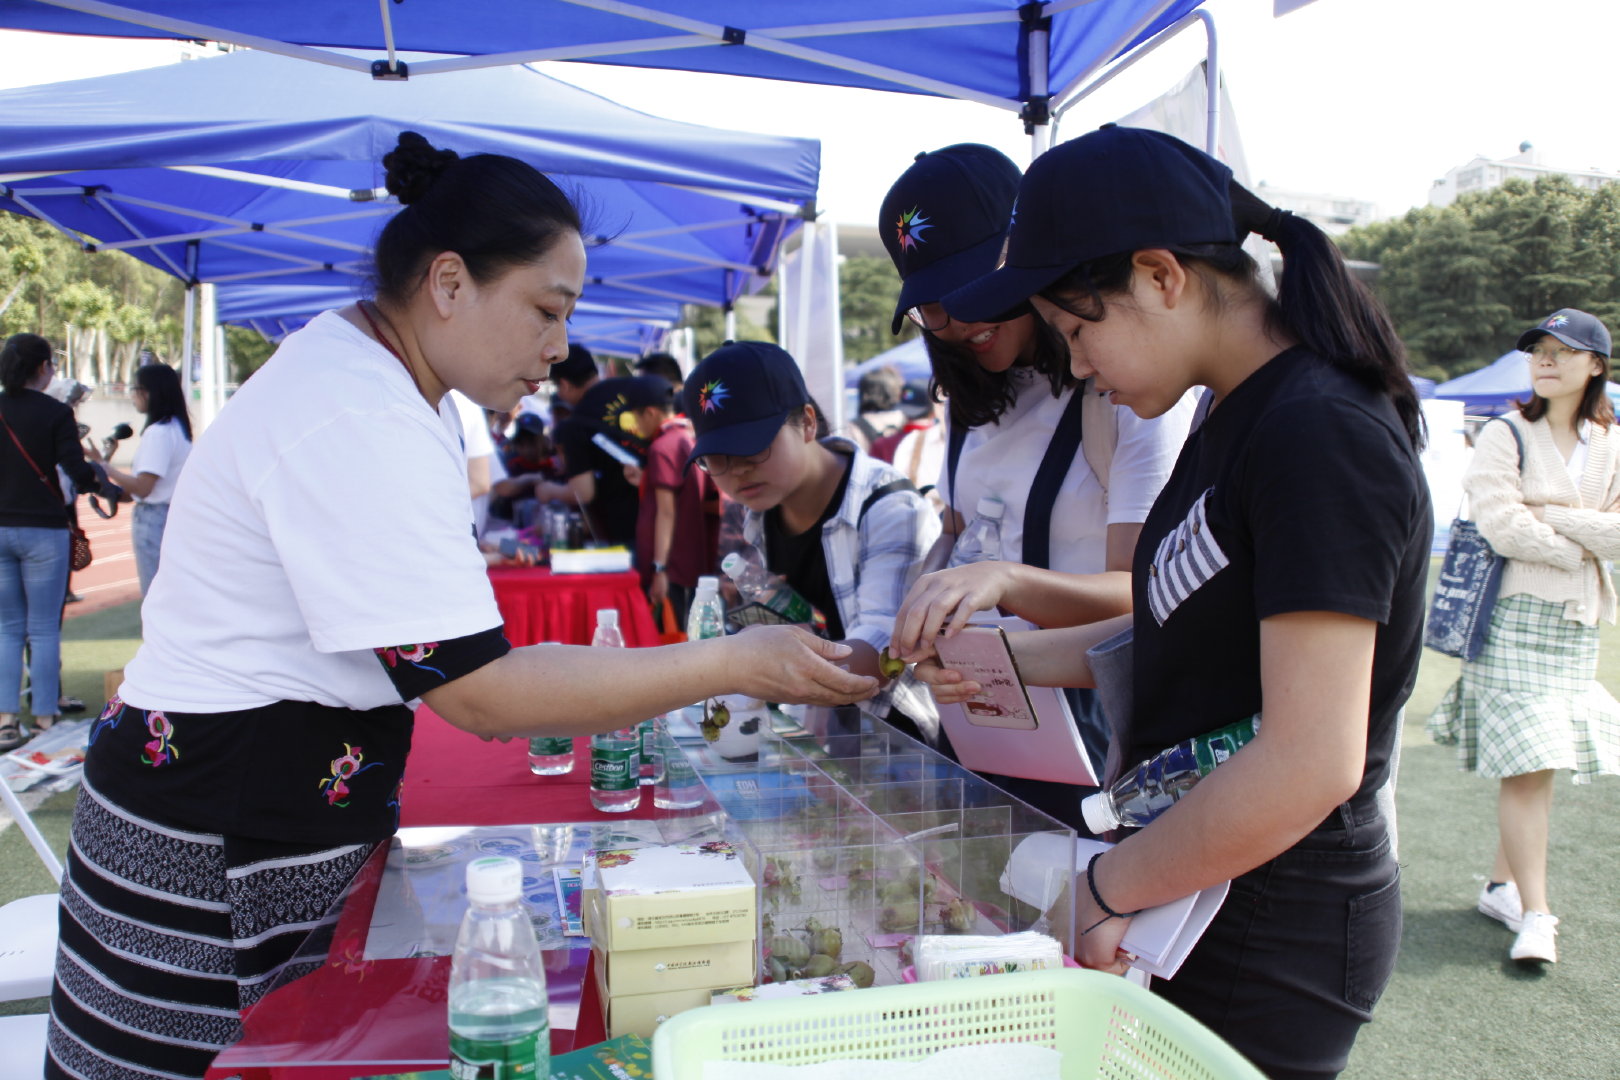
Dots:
pixel 1301 951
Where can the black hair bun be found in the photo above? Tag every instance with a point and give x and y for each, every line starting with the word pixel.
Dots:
pixel 413 165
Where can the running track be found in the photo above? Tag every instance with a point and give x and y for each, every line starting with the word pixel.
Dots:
pixel 110 578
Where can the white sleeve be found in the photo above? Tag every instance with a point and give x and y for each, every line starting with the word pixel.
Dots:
pixel 370 522
pixel 1143 457
pixel 155 452
pixel 474 428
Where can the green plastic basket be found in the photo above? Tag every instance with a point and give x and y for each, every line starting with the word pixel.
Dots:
pixel 1103 1026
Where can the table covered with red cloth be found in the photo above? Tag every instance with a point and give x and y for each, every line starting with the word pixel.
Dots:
pixel 391 1013
pixel 537 605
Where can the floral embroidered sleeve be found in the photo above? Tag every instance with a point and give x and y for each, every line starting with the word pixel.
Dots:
pixel 416 669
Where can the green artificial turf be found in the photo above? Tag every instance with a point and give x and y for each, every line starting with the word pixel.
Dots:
pixel 1457 1008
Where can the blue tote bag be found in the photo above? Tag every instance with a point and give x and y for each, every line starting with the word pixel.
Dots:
pixel 1465 594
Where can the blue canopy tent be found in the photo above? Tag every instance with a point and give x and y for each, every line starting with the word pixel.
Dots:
pixel 277 310
pixel 199 169
pixel 1494 388
pixel 910 358
pixel 1020 57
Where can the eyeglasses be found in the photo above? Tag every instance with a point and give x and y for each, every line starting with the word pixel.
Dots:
pixel 933 317
pixel 720 464
pixel 1561 354
pixel 930 317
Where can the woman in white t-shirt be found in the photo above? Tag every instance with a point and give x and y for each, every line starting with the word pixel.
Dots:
pixel 1076 474
pixel 320 575
pixel 159 456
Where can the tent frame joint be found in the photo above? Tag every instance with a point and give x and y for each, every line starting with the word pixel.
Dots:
pixel 733 35
pixel 384 71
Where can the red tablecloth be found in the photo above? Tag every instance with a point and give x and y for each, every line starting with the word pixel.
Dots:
pixel 352 1009
pixel 538 605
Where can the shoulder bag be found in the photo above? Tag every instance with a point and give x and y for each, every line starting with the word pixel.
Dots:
pixel 1465 592
pixel 80 557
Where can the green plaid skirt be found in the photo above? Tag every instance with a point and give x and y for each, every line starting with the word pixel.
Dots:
pixel 1531 701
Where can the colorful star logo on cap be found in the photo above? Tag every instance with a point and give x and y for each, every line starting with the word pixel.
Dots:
pixel 1557 320
pixel 713 395
pixel 911 227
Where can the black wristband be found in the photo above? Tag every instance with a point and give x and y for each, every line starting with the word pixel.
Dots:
pixel 1091 880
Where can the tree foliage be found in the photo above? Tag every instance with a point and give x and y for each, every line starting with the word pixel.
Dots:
pixel 868 288
pixel 1462 281
pixel 102 309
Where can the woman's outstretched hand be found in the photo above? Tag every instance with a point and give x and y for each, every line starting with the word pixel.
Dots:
pixel 943 602
pixel 795 667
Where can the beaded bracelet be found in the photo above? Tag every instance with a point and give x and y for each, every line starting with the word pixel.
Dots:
pixel 1108 912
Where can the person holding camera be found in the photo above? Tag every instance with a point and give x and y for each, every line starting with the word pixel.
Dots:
pixel 165 444
pixel 319 577
pixel 40 434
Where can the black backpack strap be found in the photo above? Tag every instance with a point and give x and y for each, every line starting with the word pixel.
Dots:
pixel 953 457
pixel 901 484
pixel 1048 480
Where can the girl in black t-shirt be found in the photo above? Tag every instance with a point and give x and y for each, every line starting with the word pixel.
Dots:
pixel 1281 570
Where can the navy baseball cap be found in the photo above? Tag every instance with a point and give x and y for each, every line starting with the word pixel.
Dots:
pixel 612 403
pixel 1574 328
pixel 916 401
pixel 945 220
pixel 1111 191
pixel 739 397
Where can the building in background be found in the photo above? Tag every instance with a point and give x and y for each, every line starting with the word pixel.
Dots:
pixel 1483 173
pixel 1333 214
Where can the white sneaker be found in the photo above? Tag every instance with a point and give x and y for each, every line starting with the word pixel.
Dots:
pixel 1502 904
pixel 1536 938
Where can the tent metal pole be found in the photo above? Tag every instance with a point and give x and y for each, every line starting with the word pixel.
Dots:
pixel 194 31
pixel 1078 89
pixel 189 337
pixel 762 40
pixel 1212 91
pixel 388 34
pixel 261 180
pixel 1040 123
pixel 125 222
pixel 682 230
pixel 738 196
pixel 700 260
pixel 620 283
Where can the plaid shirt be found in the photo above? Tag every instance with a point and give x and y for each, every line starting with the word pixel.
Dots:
pixel 871 563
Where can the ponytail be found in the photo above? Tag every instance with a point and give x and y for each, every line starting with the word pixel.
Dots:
pixel 1322 304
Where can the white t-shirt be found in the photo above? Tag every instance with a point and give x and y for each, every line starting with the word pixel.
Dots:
pixel 1000 460
pixel 477 443
pixel 162 451
pixel 323 515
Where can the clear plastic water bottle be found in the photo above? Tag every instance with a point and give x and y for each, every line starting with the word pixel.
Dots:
pixel 759 586
pixel 981 540
pixel 551 756
pixel 615 755
pixel 677 786
pixel 1151 788
pixel 499 1026
pixel 707 616
pixel 648 754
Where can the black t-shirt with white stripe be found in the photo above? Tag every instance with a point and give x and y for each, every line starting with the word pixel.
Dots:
pixel 1300 492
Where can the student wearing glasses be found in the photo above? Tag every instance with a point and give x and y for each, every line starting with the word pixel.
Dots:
pixel 846 530
pixel 1529 704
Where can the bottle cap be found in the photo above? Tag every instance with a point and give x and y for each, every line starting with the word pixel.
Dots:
pixel 733 565
pixel 708 582
pixel 991 507
pixel 1098 810
pixel 607 617
pixel 494 879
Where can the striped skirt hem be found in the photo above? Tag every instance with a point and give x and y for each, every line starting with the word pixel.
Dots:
pixel 168 934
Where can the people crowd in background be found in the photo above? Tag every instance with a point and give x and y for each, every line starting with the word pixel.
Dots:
pixel 1225 476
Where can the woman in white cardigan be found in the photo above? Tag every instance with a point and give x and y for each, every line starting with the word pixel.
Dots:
pixel 1529 704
